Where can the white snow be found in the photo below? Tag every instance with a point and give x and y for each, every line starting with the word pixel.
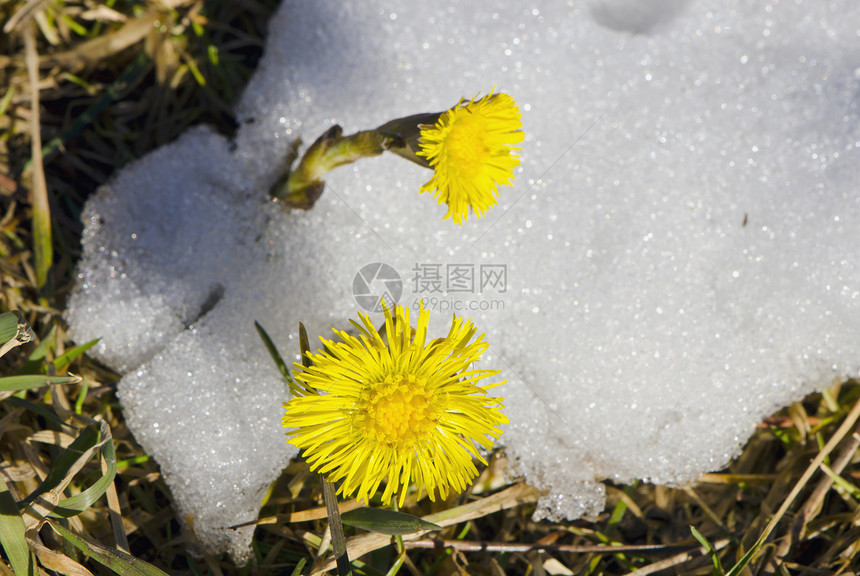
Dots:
pixel 680 244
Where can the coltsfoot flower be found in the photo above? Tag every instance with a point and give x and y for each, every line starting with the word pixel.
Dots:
pixel 471 151
pixel 407 410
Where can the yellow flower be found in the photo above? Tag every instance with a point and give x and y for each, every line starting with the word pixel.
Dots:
pixel 409 410
pixel 471 150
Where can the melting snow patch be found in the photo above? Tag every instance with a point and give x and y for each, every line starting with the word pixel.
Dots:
pixel 676 259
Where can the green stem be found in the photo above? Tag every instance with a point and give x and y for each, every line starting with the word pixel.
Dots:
pixel 408 131
pixel 304 185
pixel 401 556
pixel 338 541
pixel 401 548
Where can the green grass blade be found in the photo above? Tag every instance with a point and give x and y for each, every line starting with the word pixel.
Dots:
pixel 82 396
pixel 276 356
pixel 745 559
pixel 718 567
pixel 34 362
pixel 65 463
pixel 298 569
pixel 37 408
pixel 73 26
pixel 83 500
pixel 195 70
pixel 63 361
pixel 120 562
pixel 9 325
pixel 620 509
pixel 7 99
pixel 14 331
pixel 305 345
pixel 27 381
pixel 296 388
pixel 841 482
pixel 12 536
pixel 386 521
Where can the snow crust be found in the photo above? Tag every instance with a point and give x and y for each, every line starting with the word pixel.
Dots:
pixel 679 248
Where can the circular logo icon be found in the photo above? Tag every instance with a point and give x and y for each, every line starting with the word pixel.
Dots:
pixel 375 283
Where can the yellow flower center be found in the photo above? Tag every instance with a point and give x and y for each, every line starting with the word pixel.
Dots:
pixel 397 412
pixel 465 145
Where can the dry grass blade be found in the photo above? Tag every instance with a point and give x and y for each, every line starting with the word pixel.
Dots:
pixel 812 506
pixel 117 560
pixel 58 562
pixel 102 12
pixel 516 495
pixel 847 425
pixel 677 560
pixel 335 528
pixel 45 502
pixel 499 547
pixel 54 437
pixel 115 511
pixel 36 108
pixel 42 243
pixel 12 473
pixel 736 478
pixel 23 15
pixel 93 51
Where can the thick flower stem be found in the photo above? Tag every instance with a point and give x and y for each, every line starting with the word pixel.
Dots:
pixel 401 557
pixel 399 546
pixel 338 541
pixel 304 185
pixel 408 133
pixel 471 149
